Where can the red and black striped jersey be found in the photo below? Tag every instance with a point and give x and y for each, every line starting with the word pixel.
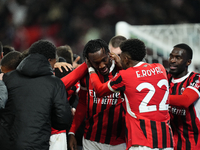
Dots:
pixel 146 92
pixel 185 121
pixel 105 122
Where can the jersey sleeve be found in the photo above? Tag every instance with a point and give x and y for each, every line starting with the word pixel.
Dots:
pixel 103 89
pixel 195 83
pixel 80 112
pixel 74 76
pixel 73 90
pixel 116 84
pixel 188 97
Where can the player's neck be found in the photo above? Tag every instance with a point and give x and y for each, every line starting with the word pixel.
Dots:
pixel 176 76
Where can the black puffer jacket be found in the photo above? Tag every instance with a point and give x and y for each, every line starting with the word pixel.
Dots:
pixel 36 101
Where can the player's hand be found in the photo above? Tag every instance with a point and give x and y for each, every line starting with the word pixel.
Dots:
pixel 117 59
pixel 72 142
pixel 67 66
pixel 75 62
pixel 73 110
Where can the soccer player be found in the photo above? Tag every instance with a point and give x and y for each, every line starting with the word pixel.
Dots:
pixel 146 91
pixel 184 99
pixel 114 44
pixel 104 123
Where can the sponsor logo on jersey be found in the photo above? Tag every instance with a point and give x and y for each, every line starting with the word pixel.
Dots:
pixel 111 99
pixel 177 111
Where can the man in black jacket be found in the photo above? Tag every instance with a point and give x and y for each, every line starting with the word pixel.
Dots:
pixel 36 101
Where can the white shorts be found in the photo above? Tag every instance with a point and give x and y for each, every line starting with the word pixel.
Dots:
pixel 148 148
pixel 92 145
pixel 58 142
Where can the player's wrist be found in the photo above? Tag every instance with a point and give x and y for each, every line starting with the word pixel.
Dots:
pixel 91 70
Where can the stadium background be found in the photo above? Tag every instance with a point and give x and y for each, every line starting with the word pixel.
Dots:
pixel 74 22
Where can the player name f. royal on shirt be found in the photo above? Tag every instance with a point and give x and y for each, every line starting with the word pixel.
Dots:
pixel 150 72
pixel 146 93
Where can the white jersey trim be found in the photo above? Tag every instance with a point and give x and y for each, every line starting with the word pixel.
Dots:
pixel 112 66
pixel 139 64
pixel 180 79
pixel 128 108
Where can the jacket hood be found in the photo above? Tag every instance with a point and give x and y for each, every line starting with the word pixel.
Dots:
pixel 35 65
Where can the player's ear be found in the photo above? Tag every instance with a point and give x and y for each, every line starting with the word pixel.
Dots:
pixel 189 62
pixel 126 59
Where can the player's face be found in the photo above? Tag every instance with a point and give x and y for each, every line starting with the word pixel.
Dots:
pixel 178 62
pixel 115 50
pixel 101 61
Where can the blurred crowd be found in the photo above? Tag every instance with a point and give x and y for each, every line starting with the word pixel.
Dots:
pixel 74 22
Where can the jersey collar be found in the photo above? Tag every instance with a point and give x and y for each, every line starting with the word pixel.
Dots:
pixel 112 66
pixel 139 64
pixel 180 79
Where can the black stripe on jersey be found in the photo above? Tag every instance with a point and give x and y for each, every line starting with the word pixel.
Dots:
pixel 88 135
pixel 179 88
pixel 194 126
pixel 120 121
pixel 187 79
pixel 110 123
pixel 106 78
pixel 100 117
pixel 179 143
pixel 91 121
pixel 195 78
pixel 114 71
pixel 185 133
pixel 164 134
pixel 154 134
pixel 126 132
pixel 171 138
pixel 174 89
pixel 119 79
pixel 99 124
pixel 87 84
pixel 142 126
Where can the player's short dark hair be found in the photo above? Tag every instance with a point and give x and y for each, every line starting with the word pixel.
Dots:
pixel 7 49
pixel 187 48
pixel 93 46
pixel 11 60
pixel 65 52
pixel 117 40
pixel 135 48
pixel 43 47
pixel 57 71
